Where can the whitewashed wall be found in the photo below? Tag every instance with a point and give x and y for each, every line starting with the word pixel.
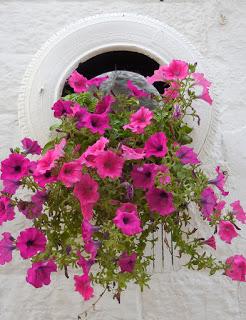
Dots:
pixel 217 29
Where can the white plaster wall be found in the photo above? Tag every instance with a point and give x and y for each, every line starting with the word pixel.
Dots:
pixel 217 29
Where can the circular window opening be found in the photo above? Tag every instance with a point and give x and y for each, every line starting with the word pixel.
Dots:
pixel 118 61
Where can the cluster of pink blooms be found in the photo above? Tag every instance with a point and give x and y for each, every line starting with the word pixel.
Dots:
pixel 108 163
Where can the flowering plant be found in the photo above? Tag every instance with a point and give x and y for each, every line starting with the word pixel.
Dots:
pixel 114 172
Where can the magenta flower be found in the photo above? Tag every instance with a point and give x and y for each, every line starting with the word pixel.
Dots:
pixel 30 242
pixel 70 173
pixel 97 123
pixel 14 167
pixel 78 82
pixel 227 231
pixel 187 155
pixel 83 286
pixel 210 242
pixel 135 91
pixel 10 186
pixel 6 247
pixel 127 219
pixel 208 202
pixel 48 161
pixel 42 179
pixel 237 268
pixel 127 262
pixel 39 273
pixel 238 211
pixel 81 115
pixel 92 247
pixel 176 70
pixel 144 177
pixel 139 120
pixel 172 92
pixel 89 156
pixel 105 104
pixel 97 81
pixel 109 164
pixel 132 154
pixel 158 76
pixel 87 230
pixel 83 263
pixel 156 145
pixel 40 197
pixel 62 108
pixel 219 181
pixel 160 201
pixel 6 210
pixel 30 209
pixel 30 146
pixel 205 84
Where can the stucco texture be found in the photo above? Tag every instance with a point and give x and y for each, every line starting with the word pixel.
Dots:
pixel 217 29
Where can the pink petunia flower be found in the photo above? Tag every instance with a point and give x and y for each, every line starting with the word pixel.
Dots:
pixel 78 82
pixel 11 186
pixel 48 161
pixel 42 179
pixel 30 242
pixel 15 167
pixel 238 211
pixel 70 173
pixel 40 197
pixel 236 268
pixel 219 181
pixel 62 108
pixel 30 146
pixel 105 104
pixel 208 202
pixel 156 145
pixel 210 242
pixel 81 115
pixel 132 154
pixel 97 123
pixel 89 156
pixel 187 155
pixel 205 84
pixel 39 273
pixel 227 231
pixel 172 92
pixel 87 230
pixel 84 263
pixel 83 286
pixel 139 120
pixel 127 219
pixel 30 209
pixel 6 210
pixel 135 91
pixel 160 201
pixel 127 262
pixel 6 248
pixel 109 164
pixel 144 176
pixel 97 81
pixel 92 247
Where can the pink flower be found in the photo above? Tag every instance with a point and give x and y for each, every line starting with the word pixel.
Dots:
pixel 92 247
pixel 237 268
pixel 127 262
pixel 227 231
pixel 89 156
pixel 77 82
pixel 6 248
pixel 105 104
pixel 127 207
pixel 144 177
pixel 176 70
pixel 10 186
pixel 39 273
pixel 109 164
pixel 70 173
pixel 210 242
pixel 205 84
pixel 208 202
pixel 15 167
pixel 97 123
pixel 62 108
pixel 87 230
pixel 135 91
pixel 83 263
pixel 30 209
pixel 30 242
pixel 81 115
pixel 238 211
pixel 6 210
pixel 132 154
pixel 31 146
pixel 139 120
pixel 97 81
pixel 156 145
pixel 48 161
pixel 187 155
pixel 219 181
pixel 172 92
pixel 83 286
pixel 40 197
pixel 42 179
pixel 160 201
pixel 127 220
pixel 158 76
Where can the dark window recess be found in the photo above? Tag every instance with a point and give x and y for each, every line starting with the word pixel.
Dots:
pixel 119 60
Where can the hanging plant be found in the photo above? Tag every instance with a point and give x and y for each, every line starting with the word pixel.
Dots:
pixel 115 172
